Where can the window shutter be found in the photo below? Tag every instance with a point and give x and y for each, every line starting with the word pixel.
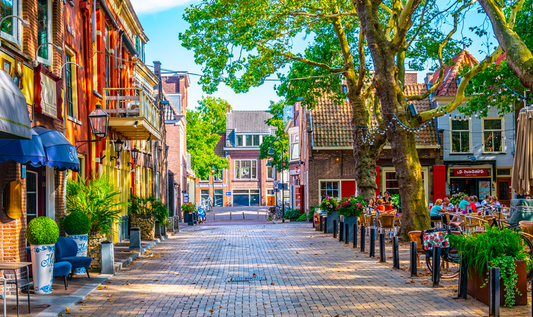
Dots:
pixel 439 182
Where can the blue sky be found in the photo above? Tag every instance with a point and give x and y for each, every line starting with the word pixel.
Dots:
pixel 162 21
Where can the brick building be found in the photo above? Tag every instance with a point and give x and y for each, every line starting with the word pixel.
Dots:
pixel 248 181
pixel 326 165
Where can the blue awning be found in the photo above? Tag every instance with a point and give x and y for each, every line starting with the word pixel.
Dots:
pixel 14 117
pixel 59 151
pixel 23 151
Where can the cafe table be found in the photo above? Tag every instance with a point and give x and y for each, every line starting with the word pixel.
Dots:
pixel 18 282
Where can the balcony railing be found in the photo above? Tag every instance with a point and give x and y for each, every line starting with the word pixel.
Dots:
pixel 133 113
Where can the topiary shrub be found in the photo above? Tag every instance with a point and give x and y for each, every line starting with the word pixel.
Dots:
pixel 77 223
pixel 42 230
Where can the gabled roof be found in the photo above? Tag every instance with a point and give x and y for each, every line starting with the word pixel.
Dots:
pixel 219 148
pixel 449 84
pixel 248 121
pixel 332 123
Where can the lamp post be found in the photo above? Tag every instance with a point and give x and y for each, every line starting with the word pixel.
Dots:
pixel 117 145
pixel 25 23
pixel 135 155
pixel 213 170
pixel 57 47
pixel 99 120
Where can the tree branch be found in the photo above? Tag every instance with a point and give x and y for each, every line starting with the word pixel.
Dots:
pixel 456 15
pixel 404 22
pixel 459 96
pixel 304 60
pixel 325 16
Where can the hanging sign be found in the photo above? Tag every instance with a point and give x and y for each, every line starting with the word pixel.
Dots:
pixel 471 172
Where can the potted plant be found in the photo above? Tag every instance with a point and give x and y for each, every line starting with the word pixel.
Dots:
pixel 160 212
pixel 455 199
pixel 77 226
pixel 188 209
pixel 329 204
pixel 495 248
pixel 99 199
pixel 351 208
pixel 42 234
pixel 140 210
pixel 292 214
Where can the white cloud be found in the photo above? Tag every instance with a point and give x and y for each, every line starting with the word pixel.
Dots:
pixel 147 6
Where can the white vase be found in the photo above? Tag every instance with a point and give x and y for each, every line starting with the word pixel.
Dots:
pixel 81 241
pixel 43 258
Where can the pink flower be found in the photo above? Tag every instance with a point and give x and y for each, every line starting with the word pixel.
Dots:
pixel 327 197
pixel 358 205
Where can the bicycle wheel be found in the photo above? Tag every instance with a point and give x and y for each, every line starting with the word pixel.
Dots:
pixel 450 265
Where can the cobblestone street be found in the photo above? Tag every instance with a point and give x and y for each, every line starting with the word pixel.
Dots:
pixel 307 274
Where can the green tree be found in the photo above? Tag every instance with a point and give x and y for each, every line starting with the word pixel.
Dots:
pixel 279 142
pixel 214 110
pixel 241 43
pixel 201 143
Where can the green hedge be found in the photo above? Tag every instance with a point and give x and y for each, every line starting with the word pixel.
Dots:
pixel 77 223
pixel 42 230
pixel 292 213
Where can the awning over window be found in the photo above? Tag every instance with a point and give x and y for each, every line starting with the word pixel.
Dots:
pixel 59 151
pixel 23 151
pixel 14 118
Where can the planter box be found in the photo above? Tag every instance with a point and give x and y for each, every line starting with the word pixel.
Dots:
pixel 350 220
pixel 147 225
pixel 334 215
pixel 476 280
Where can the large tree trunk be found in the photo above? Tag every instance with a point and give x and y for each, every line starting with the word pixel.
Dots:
pixel 415 215
pixel 519 57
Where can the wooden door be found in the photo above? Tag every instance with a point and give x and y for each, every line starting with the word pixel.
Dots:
pixel 504 191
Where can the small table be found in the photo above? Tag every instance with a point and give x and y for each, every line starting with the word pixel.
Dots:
pixel 14 266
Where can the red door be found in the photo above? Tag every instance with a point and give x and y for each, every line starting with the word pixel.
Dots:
pixel 347 189
pixel 439 182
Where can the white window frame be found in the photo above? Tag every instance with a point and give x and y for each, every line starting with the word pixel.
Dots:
pixel 251 167
pixel 244 135
pixel 329 181
pixel 271 174
pixel 50 39
pixel 50 193
pixel 36 192
pixel 469 136
pixel 502 130
pixel 16 38
pixel 385 170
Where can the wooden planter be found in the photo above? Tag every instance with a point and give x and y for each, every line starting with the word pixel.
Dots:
pixel 147 225
pixel 476 280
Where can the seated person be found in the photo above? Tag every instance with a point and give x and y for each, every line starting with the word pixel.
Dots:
pixel 380 207
pixel 463 203
pixel 371 203
pixel 435 211
pixel 447 205
pixel 494 201
pixel 486 201
pixel 472 205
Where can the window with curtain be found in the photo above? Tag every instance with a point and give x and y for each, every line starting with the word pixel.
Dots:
pixel 245 169
pixel 460 136
pixel 492 135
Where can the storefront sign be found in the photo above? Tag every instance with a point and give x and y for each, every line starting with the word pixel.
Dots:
pixel 228 193
pixel 48 96
pixel 471 172
pixel 185 198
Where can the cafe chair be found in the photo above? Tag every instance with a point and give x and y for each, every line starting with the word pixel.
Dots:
pixel 19 284
pixel 387 222
pixel 3 295
pixel 415 236
pixel 66 250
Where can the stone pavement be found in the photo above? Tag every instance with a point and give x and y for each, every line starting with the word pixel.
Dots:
pixel 307 274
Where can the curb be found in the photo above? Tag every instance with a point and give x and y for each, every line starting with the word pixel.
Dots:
pixel 58 307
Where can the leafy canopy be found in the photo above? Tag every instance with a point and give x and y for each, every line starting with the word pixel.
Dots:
pixel 214 110
pixel 279 142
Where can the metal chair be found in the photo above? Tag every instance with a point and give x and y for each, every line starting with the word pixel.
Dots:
pixel 19 284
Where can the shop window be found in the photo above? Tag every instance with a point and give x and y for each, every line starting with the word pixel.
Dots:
pixel 10 27
pixel 245 169
pixel 219 198
pixel 492 135
pixel 331 189
pixel 460 136
pixel 31 195
pixel 205 197
pixel 44 31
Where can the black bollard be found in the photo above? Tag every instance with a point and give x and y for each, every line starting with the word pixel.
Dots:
pixel 363 238
pixel 372 242
pixel 494 292
pixel 354 235
pixel 436 266
pixel 346 233
pixel 395 253
pixel 413 259
pixel 463 281
pixel 334 229
pixel 382 257
pixel 325 225
pixel 341 231
pixel 320 224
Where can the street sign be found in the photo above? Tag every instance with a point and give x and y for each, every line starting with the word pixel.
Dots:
pixel 228 193
pixel 185 198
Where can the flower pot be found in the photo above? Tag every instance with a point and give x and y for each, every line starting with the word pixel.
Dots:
pixel 81 241
pixel 42 259
pixel 350 221
pixel 147 225
pixel 476 280
pixel 334 215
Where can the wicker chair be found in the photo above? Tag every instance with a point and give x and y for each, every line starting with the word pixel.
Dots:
pixel 387 222
pixel 467 224
pixel 526 226
pixel 415 236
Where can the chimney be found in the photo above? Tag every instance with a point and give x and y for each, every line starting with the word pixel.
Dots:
pixel 157 68
pixel 228 108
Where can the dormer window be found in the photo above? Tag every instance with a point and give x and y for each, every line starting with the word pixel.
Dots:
pixel 248 140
